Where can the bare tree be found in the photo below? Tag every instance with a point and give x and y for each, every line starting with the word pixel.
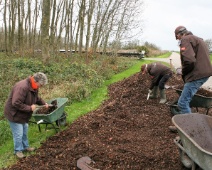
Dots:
pixel 28 30
pixel 34 25
pixel 68 24
pixel 45 30
pixel 5 26
pixel 110 22
pixel 89 12
pixel 71 6
pixel 62 19
pixel 21 14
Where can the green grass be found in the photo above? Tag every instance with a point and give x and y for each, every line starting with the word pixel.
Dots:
pixel 166 55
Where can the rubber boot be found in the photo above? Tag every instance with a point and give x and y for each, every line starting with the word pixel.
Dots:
pixel 162 96
pixel 154 93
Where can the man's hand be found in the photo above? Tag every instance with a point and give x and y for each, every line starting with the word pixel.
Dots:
pixel 33 107
pixel 150 91
pixel 47 105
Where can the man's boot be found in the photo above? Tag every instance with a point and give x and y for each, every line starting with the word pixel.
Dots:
pixel 162 96
pixel 154 93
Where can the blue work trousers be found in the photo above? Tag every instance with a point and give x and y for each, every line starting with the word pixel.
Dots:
pixel 20 136
pixel 188 92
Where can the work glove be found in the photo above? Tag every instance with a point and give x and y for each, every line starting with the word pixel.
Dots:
pixel 179 71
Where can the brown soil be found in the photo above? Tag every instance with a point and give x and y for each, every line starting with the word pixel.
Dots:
pixel 125 132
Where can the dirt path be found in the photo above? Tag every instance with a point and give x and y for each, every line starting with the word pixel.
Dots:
pixel 175 58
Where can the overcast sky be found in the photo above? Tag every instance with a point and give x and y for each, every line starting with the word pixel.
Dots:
pixel 161 17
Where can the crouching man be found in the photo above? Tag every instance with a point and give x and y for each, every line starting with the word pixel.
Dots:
pixel 160 75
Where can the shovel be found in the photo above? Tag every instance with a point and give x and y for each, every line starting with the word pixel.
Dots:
pixel 42 106
pixel 148 96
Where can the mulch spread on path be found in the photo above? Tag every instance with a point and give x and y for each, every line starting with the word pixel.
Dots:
pixel 125 132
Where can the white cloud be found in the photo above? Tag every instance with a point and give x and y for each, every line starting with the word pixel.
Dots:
pixel 161 17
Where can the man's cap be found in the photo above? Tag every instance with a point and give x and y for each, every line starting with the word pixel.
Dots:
pixel 179 29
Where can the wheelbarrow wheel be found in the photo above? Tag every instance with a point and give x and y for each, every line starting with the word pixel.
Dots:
pixel 62 120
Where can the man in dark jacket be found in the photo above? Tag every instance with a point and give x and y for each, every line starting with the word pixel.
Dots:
pixel 19 108
pixel 160 75
pixel 196 65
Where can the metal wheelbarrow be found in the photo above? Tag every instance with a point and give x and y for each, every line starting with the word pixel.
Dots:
pixel 58 115
pixel 198 101
pixel 195 131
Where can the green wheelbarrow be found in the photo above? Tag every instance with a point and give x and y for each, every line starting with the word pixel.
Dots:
pixel 57 116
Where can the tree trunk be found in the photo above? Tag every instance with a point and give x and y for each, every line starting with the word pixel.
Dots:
pixel 82 18
pixel 20 27
pixel 5 27
pixel 45 23
pixel 89 18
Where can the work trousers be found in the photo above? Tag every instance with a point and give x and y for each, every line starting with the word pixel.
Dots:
pixel 20 136
pixel 189 90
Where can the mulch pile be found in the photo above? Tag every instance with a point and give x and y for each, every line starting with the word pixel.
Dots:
pixel 126 132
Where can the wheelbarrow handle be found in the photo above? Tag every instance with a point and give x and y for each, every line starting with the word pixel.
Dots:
pixel 176 141
pixel 40 121
pixel 42 106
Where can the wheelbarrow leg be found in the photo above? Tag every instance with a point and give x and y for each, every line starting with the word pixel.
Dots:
pixel 186 161
pixel 46 126
pixel 193 166
pixel 46 123
pixel 207 110
pixel 39 128
pixel 197 109
pixel 54 127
